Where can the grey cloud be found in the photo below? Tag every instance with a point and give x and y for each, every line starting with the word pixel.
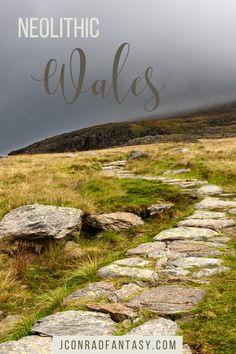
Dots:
pixel 190 45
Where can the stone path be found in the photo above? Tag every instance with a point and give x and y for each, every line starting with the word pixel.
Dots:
pixel 167 276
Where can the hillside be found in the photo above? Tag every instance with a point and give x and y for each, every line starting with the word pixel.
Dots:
pixel 212 123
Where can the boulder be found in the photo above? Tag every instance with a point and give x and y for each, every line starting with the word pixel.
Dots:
pixel 185 233
pixel 118 312
pixel 157 327
pixel 32 222
pixel 209 189
pixel 28 345
pixel 232 211
pixel 167 299
pixel 72 323
pixel 116 271
pixel 136 154
pixel 113 221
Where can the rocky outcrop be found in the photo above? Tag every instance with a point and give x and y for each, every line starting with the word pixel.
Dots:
pixel 33 222
pixel 113 221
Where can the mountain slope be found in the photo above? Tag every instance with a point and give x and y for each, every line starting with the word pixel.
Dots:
pixel 216 122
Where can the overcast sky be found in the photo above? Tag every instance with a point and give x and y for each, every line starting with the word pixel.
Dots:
pixel 191 45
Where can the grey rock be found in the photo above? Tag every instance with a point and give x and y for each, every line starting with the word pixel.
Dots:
pixel 118 312
pixel 132 262
pixel 119 163
pixel 177 172
pixel 148 249
pixel 40 222
pixel 28 345
pixel 185 233
pixel 232 211
pixel 212 203
pixel 208 272
pixel 172 272
pixel 136 154
pixel 157 327
pixel 181 150
pixel 209 189
pixel 194 248
pixel 116 271
pixel 192 262
pixel 166 300
pixel 72 323
pixel 218 241
pixel 92 291
pixel 125 292
pixel 157 209
pixel 162 262
pixel 208 223
pixel 113 221
pixel 200 214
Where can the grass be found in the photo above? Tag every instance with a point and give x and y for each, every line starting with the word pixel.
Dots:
pixel 213 330
pixel 35 280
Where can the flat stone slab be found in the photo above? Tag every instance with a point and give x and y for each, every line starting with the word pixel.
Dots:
pixel 118 312
pixel 72 323
pixel 28 345
pixel 36 221
pixel 167 300
pixel 212 203
pixel 148 249
pixel 173 272
pixel 208 223
pixel 185 233
pixel 91 291
pixel 192 262
pixel 124 293
pixel 157 327
pixel 116 271
pixel 200 214
pixel 208 272
pixel 232 211
pixel 209 189
pixel 113 221
pixel 132 262
pixel 194 248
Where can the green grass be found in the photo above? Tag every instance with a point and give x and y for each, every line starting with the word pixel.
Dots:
pixel 213 330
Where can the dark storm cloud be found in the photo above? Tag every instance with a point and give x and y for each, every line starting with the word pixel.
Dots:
pixel 190 44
